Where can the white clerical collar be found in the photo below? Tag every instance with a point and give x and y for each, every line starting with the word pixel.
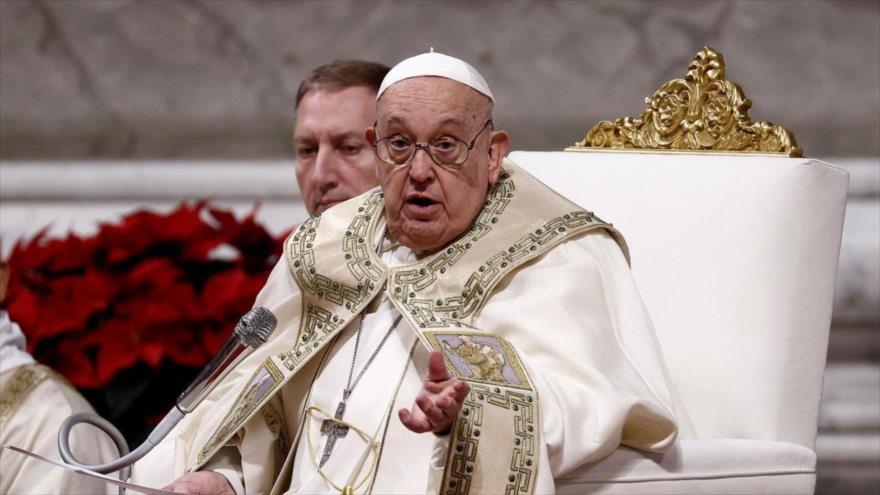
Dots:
pixel 394 253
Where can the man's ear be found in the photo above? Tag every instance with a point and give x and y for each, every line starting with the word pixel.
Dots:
pixel 4 279
pixel 370 136
pixel 499 145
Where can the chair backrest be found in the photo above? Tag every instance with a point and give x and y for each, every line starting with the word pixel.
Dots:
pixel 735 258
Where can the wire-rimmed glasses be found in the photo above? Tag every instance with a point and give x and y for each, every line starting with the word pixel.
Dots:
pixel 446 150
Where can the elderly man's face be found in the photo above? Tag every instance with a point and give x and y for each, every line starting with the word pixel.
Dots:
pixel 333 160
pixel 429 205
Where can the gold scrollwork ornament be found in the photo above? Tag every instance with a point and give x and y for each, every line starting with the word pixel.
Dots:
pixel 703 112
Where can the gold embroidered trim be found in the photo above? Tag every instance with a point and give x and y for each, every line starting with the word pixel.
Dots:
pixel 320 322
pixel 451 310
pixel 355 247
pixel 407 282
pixel 302 255
pixel 356 244
pixel 702 112
pixel 261 385
pixel 428 313
pixel 424 309
pixel 463 446
pixel 23 381
pixel 510 390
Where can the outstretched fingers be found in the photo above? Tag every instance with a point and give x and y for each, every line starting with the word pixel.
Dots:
pixel 437 371
pixel 425 416
pixel 459 390
pixel 439 401
pixel 418 424
pixel 434 409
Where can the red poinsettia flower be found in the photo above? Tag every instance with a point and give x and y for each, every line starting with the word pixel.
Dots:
pixel 129 315
pixel 182 234
pixel 144 290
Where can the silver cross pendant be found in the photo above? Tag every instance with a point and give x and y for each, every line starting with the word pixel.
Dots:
pixel 334 430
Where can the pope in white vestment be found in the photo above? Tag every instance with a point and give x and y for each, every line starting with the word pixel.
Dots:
pixel 528 301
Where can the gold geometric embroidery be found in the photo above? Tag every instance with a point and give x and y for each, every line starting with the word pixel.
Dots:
pixel 451 310
pixel 467 431
pixel 407 282
pixel 463 447
pixel 302 255
pixel 261 385
pixel 328 304
pixel 318 325
pixel 356 243
pixel 355 247
pixel 317 322
pixel 321 320
pixel 23 381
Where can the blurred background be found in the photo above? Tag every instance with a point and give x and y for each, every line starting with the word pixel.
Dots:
pixel 109 106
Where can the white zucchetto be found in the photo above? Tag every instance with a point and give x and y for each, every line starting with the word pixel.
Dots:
pixel 437 65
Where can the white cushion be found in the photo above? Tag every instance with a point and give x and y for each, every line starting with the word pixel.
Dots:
pixel 735 258
pixel 713 466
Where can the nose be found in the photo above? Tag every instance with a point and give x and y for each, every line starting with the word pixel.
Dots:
pixel 421 169
pixel 325 169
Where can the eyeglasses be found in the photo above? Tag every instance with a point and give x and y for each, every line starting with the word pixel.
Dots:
pixel 447 150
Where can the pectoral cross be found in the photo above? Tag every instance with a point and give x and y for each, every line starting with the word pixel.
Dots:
pixel 334 430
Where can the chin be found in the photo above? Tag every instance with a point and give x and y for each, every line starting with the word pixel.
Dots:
pixel 422 241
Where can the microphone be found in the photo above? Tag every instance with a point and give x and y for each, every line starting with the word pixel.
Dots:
pixel 252 331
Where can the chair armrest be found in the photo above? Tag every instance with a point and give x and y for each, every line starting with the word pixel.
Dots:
pixel 701 466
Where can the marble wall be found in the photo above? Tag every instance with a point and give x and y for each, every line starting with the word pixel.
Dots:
pixel 188 78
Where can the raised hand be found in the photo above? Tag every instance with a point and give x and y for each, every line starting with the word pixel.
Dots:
pixel 438 402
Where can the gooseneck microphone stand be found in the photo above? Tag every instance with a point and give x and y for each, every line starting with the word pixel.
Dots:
pixel 252 331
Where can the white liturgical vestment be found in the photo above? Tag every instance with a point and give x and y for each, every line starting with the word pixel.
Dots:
pixel 370 405
pixel 573 317
pixel 33 403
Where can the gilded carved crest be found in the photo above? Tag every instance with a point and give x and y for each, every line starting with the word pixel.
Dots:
pixel 702 112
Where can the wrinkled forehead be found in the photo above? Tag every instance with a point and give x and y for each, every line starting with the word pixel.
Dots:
pixel 432 97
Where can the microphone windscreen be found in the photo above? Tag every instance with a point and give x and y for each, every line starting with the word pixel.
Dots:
pixel 255 327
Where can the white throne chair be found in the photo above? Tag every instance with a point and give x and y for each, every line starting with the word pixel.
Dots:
pixel 734 240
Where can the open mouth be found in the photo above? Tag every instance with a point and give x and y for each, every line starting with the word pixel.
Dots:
pixel 421 205
pixel 420 201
